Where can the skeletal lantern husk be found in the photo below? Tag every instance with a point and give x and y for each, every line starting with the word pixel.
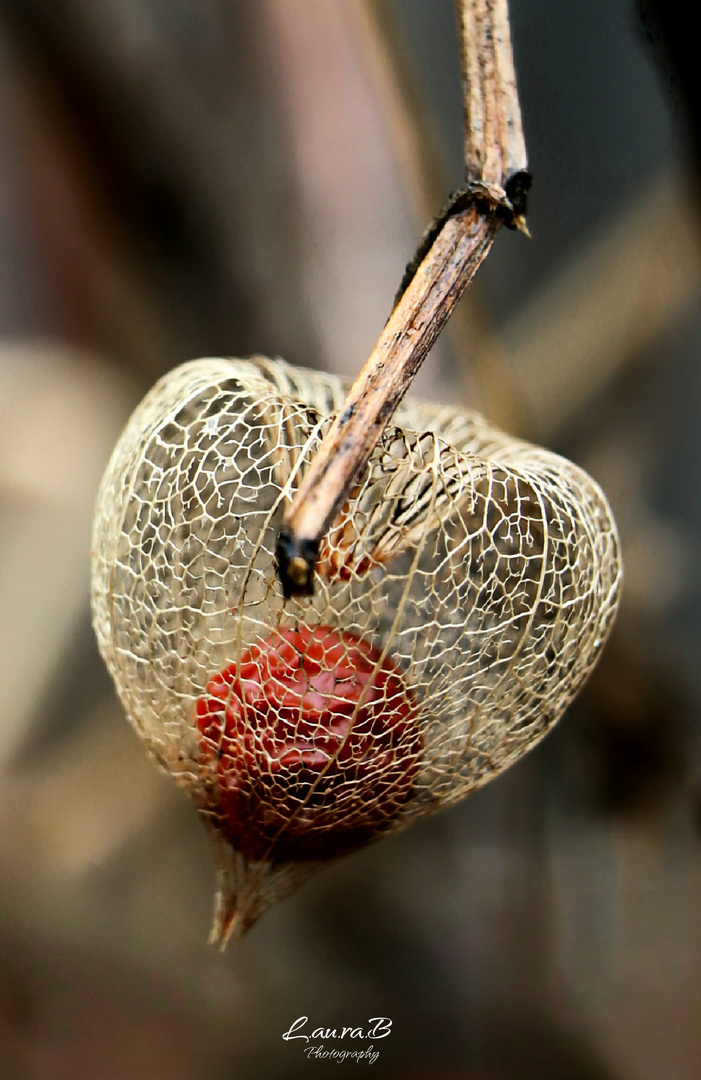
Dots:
pixel 480 572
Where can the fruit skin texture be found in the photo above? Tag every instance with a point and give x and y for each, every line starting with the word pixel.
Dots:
pixel 317 745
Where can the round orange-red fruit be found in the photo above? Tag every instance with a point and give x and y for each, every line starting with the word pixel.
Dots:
pixel 317 745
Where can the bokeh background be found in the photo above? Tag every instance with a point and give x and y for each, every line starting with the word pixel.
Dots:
pixel 220 177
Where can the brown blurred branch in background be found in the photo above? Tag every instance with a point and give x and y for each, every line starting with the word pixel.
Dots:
pixel 454 248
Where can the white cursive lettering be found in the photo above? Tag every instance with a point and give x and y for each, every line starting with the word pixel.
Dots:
pixel 370 1054
pixel 293 1027
pixel 381 1029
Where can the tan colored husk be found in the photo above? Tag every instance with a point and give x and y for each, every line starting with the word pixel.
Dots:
pixel 487 570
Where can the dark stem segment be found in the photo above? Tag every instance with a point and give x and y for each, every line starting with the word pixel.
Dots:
pixel 417 320
pixel 451 252
pixel 511 210
pixel 296 560
pixel 495 149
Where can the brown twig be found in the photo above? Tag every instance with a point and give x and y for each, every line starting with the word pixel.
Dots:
pixel 495 149
pixel 447 259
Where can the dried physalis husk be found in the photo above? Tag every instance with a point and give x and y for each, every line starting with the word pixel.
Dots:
pixel 461 599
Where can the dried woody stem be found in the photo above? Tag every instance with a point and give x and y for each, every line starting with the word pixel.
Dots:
pixel 451 252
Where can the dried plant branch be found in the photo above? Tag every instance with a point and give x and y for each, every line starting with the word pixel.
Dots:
pixel 475 360
pixel 451 252
pixel 495 149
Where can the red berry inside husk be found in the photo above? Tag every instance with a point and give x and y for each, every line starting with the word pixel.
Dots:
pixel 317 744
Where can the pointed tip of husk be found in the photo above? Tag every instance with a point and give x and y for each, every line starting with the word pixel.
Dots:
pixel 245 890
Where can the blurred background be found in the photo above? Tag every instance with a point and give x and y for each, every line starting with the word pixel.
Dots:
pixel 223 177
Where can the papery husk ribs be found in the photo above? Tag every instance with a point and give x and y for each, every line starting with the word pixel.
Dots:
pixel 462 597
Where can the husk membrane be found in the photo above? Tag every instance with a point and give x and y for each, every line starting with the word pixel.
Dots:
pixel 484 569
